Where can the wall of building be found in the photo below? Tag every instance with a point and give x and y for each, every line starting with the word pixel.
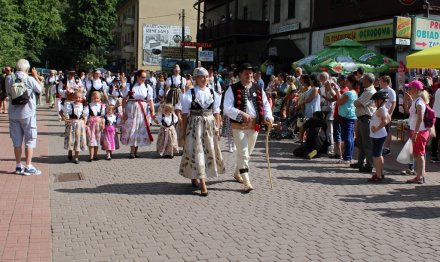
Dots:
pixel 163 13
pixel 302 15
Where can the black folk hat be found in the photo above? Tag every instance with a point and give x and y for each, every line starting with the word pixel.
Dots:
pixel 245 66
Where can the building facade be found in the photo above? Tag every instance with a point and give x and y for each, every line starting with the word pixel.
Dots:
pixel 145 29
pixel 286 30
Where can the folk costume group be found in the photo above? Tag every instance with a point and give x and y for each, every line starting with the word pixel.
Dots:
pixel 97 112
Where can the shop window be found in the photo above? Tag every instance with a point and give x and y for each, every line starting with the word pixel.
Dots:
pixel 277 11
pixel 291 9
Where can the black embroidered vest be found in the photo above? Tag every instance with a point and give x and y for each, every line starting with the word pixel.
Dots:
pixel 254 95
pixel 165 124
pixel 73 116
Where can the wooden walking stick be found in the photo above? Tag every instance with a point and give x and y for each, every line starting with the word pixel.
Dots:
pixel 269 127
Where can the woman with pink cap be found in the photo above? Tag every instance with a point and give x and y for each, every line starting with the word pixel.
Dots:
pixel 418 133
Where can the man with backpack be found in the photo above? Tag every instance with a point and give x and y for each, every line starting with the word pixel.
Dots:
pixel 22 90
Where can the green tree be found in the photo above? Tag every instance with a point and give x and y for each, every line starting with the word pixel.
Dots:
pixel 40 22
pixel 89 25
pixel 11 39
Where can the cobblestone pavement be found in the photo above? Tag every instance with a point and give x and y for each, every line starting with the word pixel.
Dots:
pixel 318 210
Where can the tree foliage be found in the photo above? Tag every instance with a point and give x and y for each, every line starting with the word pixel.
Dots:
pixel 11 39
pixel 65 33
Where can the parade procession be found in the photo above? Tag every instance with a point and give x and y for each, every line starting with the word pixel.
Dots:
pixel 235 130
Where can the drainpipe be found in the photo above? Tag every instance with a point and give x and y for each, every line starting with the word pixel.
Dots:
pixel 311 25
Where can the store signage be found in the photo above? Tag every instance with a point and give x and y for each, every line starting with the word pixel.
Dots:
pixel 175 52
pixel 402 30
pixel 204 45
pixel 426 33
pixel 206 56
pixel 402 41
pixel 370 33
pixel 402 27
pixel 288 28
pixel 407 2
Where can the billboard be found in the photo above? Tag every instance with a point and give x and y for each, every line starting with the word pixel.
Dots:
pixel 371 33
pixel 157 36
pixel 426 33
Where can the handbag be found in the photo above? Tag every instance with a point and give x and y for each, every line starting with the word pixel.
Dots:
pixel 405 155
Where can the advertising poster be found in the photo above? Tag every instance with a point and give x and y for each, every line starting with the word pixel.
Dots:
pixel 158 36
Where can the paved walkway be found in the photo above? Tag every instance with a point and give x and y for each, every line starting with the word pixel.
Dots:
pixel 142 210
pixel 25 233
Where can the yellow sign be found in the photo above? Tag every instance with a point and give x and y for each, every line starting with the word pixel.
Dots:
pixel 370 33
pixel 403 27
pixel 175 52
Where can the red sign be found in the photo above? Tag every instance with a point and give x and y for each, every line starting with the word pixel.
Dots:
pixel 203 45
pixel 407 2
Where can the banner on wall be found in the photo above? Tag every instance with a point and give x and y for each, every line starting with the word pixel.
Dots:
pixel 158 36
pixel 370 33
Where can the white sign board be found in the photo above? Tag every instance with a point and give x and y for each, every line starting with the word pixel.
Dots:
pixel 288 27
pixel 157 36
pixel 403 41
pixel 206 56
pixel 426 33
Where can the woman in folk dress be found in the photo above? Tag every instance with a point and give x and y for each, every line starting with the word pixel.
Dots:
pixel 202 156
pixel 139 106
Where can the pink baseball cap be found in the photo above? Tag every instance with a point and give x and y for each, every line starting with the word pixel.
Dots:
pixel 416 84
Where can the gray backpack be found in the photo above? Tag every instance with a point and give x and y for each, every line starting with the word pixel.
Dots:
pixel 19 91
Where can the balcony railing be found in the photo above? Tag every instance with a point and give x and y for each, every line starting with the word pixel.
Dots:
pixel 234 28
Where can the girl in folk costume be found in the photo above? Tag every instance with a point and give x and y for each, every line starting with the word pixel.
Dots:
pixel 70 85
pixel 50 83
pixel 138 104
pixel 109 138
pixel 96 84
pixel 167 138
pixel 75 133
pixel 202 156
pixel 95 112
pixel 226 127
pixel 114 92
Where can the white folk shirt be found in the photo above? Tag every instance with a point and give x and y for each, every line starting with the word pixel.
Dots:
pixel 141 91
pixel 112 119
pixel 168 119
pixel 78 109
pixel 203 97
pixel 71 85
pixel 95 107
pixel 176 81
pixel 98 84
pixel 216 86
pixel 109 80
pixel 51 80
pixel 233 112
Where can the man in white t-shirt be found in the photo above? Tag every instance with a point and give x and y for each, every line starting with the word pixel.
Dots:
pixel 385 84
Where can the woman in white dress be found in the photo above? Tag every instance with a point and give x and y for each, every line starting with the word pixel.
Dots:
pixel 139 107
pixel 202 156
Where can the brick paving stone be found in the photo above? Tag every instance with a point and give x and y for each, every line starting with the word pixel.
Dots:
pixel 142 210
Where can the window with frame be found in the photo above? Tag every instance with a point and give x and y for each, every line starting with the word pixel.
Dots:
pixel 291 9
pixel 277 11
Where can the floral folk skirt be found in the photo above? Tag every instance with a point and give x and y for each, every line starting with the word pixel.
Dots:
pixel 94 131
pixel 202 156
pixel 75 138
pixel 134 130
pixel 167 141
